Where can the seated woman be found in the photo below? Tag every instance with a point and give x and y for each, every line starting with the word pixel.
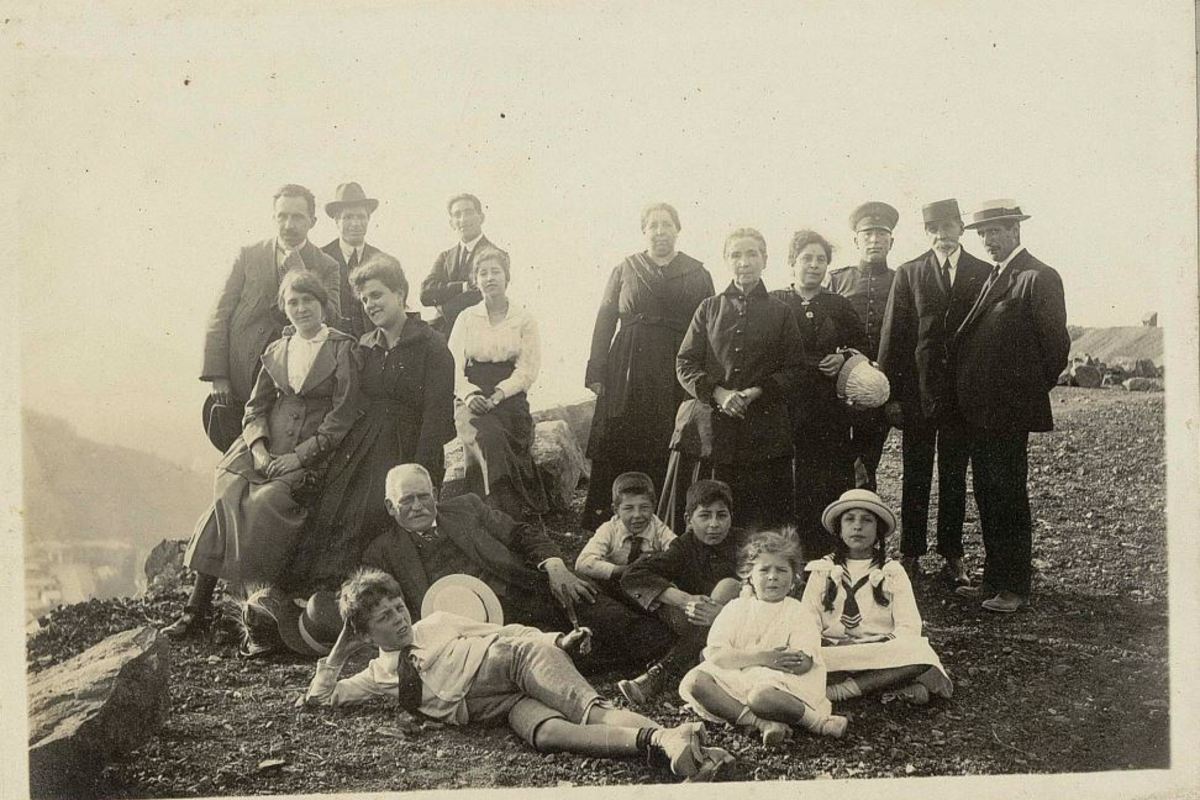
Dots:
pixel 460 671
pixel 304 401
pixel 871 628
pixel 407 381
pixel 823 467
pixel 497 354
pixel 742 356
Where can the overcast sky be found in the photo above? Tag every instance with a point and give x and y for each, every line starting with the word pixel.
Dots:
pixel 148 147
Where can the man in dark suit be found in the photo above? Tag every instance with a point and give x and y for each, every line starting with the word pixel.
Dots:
pixel 1007 356
pixel 867 285
pixel 930 298
pixel 247 316
pixel 351 209
pixel 462 535
pixel 449 286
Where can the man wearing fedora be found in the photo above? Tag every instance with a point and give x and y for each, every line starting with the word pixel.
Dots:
pixel 351 210
pixel 1006 357
pixel 247 317
pixel 449 286
pixel 866 285
pixel 430 539
pixel 930 297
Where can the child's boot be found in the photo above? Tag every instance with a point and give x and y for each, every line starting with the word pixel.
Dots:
pixel 645 687
pixel 832 725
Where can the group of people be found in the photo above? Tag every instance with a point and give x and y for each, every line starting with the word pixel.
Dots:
pixel 334 404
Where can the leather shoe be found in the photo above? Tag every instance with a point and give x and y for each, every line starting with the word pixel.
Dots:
pixel 1005 602
pixel 192 622
pixel 979 592
pixel 956 572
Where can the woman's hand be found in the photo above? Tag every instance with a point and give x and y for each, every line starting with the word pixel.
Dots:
pixel 282 465
pixel 781 658
pixel 262 458
pixel 221 391
pixel 497 398
pixel 730 402
pixel 831 364
pixel 701 610
pixel 479 404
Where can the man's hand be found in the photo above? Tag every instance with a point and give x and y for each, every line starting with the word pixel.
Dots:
pixel 578 641
pixel 831 364
pixel 894 413
pixel 221 391
pixel 289 462
pixel 479 404
pixel 701 610
pixel 348 643
pixel 566 586
pixel 781 658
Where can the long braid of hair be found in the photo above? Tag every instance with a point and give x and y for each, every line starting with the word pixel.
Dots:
pixel 878 559
pixel 831 587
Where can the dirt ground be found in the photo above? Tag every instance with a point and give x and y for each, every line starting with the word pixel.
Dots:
pixel 1077 682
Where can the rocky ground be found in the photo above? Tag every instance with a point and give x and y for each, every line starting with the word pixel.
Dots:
pixel 1076 683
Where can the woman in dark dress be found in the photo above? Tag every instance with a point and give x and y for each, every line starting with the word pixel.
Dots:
pixel 823 466
pixel 653 295
pixel 497 355
pixel 407 382
pixel 741 359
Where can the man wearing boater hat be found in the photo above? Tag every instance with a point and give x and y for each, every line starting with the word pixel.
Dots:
pixel 931 296
pixel 867 285
pixel 1006 357
pixel 351 209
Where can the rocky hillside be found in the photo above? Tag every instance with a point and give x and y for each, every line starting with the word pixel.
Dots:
pixel 1118 345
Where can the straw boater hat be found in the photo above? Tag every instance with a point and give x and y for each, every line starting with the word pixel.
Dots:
pixel 997 211
pixel 860 384
pixel 350 194
pixel 464 595
pixel 859 498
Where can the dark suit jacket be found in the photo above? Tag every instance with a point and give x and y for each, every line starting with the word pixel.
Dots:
pixel 508 552
pixel 922 315
pixel 246 317
pixel 354 320
pixel 436 289
pixel 1009 351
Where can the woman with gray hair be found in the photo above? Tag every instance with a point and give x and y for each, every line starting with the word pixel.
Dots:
pixel 651 295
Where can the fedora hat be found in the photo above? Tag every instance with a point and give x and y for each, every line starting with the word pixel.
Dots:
pixel 222 423
pixel 464 595
pixel 940 211
pixel 349 194
pixel 272 621
pixel 997 211
pixel 859 498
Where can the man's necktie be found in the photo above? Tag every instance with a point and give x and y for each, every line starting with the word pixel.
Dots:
pixel 408 681
pixel 353 262
pixel 851 616
pixel 461 268
pixel 946 281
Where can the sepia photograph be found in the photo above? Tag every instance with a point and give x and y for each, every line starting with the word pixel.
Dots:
pixel 517 397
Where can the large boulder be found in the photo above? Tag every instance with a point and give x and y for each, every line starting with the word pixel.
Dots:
pixel 559 461
pixel 104 702
pixel 577 415
pixel 1086 375
pixel 163 568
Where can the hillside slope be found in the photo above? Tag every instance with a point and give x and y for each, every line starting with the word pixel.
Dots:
pixel 1112 345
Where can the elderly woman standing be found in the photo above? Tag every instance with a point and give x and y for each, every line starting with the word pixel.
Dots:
pixel 497 355
pixel 304 401
pixel 742 355
pixel 824 465
pixel 653 295
pixel 407 382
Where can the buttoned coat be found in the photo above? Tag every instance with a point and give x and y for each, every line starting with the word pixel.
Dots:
pixel 354 320
pixel 247 317
pixel 922 315
pixel 438 289
pixel 736 341
pixel 867 288
pixel 1012 346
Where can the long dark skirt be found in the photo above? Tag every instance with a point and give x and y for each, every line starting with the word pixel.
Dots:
pixel 823 469
pixel 762 490
pixel 503 438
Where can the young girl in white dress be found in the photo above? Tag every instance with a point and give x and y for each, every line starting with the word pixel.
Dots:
pixel 870 625
pixel 762 668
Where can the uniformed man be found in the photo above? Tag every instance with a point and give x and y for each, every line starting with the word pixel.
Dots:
pixel 867 285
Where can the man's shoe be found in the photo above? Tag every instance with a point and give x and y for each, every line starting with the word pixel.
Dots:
pixel 979 592
pixel 644 688
pixel 683 748
pixel 956 572
pixel 192 622
pixel 1005 602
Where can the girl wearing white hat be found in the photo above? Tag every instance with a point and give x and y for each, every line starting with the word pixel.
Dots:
pixel 871 628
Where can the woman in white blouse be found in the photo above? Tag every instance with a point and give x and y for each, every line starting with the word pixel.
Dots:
pixel 497 355
pixel 305 399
